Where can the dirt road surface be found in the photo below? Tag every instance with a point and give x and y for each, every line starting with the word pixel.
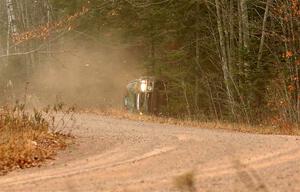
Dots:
pixel 131 156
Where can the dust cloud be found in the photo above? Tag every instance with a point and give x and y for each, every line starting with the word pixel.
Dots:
pixel 84 73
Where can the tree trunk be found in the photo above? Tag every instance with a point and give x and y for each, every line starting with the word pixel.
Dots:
pixel 198 64
pixel 223 55
pixel 263 33
pixel 11 27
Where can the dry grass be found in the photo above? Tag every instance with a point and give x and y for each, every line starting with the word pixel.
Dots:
pixel 274 129
pixel 28 138
pixel 185 182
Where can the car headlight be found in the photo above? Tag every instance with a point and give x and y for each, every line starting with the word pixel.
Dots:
pixel 144 86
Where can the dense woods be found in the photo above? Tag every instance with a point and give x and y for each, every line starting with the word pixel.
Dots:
pixel 235 60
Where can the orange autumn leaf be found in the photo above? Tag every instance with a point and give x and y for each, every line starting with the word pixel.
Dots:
pixel 43 31
pixel 288 54
pixel 291 88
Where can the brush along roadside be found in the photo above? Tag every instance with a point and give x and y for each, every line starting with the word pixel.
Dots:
pixel 274 128
pixel 29 138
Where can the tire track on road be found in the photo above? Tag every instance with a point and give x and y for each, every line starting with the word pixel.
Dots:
pixel 81 167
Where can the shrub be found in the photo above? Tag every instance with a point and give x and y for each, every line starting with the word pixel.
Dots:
pixel 28 138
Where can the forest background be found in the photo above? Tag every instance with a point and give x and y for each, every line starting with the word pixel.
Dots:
pixel 229 60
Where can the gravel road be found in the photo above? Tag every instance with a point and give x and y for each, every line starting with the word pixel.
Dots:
pixel 131 156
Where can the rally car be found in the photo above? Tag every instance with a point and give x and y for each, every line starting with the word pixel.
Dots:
pixel 146 95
